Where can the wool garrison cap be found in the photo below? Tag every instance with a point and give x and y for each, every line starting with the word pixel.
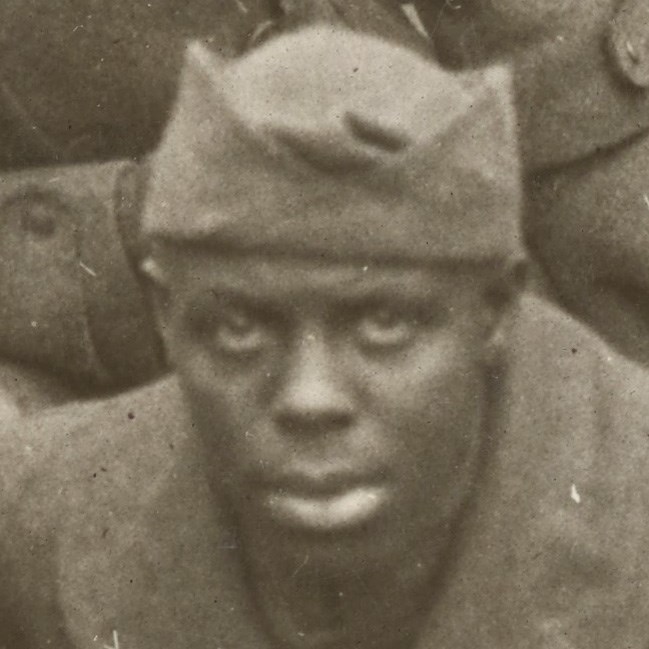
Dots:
pixel 329 142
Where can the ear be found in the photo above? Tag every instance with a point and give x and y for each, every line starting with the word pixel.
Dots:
pixel 629 42
pixel 502 297
pixel 158 284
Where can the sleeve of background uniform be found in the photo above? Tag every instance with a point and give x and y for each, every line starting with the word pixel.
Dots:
pixel 71 299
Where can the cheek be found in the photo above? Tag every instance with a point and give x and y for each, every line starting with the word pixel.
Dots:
pixel 430 406
pixel 226 404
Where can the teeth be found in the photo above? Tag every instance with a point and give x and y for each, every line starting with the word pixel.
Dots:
pixel 329 512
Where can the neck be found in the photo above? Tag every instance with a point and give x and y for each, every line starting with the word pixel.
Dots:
pixel 315 597
pixel 310 605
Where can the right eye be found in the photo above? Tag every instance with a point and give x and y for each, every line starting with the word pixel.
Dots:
pixel 235 330
pixel 386 326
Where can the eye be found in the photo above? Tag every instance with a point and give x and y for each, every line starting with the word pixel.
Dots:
pixel 236 330
pixel 386 326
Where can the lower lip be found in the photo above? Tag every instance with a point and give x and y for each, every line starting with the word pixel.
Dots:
pixel 328 513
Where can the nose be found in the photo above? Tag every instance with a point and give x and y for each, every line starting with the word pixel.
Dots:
pixel 313 397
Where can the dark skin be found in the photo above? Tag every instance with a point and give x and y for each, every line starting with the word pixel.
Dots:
pixel 342 410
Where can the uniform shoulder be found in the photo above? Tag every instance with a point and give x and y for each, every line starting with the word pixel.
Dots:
pixel 68 476
pixel 589 404
pixel 619 383
pixel 64 448
pixel 559 335
pixel 563 500
pixel 564 373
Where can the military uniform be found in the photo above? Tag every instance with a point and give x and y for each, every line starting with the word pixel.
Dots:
pixel 109 531
pixel 115 530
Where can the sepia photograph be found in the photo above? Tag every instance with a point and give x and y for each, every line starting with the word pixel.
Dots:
pixel 324 324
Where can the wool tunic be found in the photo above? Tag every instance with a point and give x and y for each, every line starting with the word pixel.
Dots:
pixel 109 533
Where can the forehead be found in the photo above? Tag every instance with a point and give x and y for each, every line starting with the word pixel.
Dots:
pixel 272 277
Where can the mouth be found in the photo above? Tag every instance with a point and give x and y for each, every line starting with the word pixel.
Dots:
pixel 334 506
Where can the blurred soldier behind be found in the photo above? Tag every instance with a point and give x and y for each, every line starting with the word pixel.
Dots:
pixel 373 436
pixel 86 81
pixel 85 90
pixel 581 78
pixel 582 87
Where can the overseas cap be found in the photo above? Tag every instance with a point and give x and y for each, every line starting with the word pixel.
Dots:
pixel 334 143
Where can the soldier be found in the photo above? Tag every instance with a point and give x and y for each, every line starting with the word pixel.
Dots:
pixel 373 437
pixel 86 81
pixel 582 86
pixel 82 104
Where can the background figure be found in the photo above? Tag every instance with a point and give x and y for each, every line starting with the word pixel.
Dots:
pixel 582 100
pixel 84 81
pixel 85 91
pixel 87 81
pixel 582 86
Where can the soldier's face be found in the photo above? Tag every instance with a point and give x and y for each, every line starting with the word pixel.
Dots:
pixel 338 403
pixel 470 33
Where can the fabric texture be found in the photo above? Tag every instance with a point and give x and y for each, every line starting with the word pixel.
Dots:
pixel 108 527
pixel 588 227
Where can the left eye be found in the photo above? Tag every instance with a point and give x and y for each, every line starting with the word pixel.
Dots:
pixel 386 327
pixel 238 332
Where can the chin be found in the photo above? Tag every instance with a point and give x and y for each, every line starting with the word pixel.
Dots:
pixel 358 548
